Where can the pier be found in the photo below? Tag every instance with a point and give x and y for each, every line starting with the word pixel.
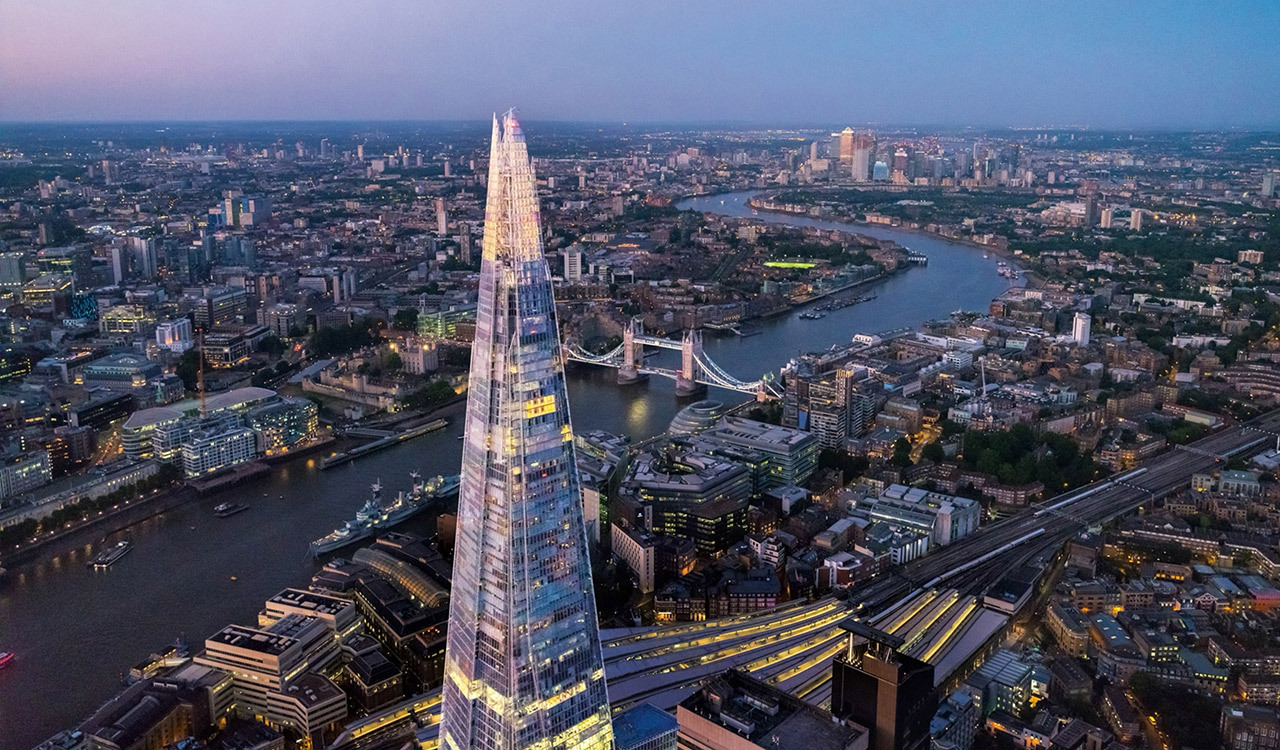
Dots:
pixel 381 443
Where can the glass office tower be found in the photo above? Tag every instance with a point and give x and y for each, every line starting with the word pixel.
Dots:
pixel 523 667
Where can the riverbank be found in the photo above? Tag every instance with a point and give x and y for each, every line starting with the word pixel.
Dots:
pixel 93 530
pixel 1000 252
pixel 883 275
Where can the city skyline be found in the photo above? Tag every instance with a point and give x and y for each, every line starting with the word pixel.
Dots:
pixel 880 375
pixel 996 64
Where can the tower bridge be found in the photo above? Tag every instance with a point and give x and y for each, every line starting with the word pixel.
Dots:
pixel 696 368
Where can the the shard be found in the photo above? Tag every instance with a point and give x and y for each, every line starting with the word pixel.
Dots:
pixel 523 667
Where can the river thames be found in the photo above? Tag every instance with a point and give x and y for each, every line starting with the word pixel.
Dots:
pixel 76 630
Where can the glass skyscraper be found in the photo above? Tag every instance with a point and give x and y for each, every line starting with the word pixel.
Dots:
pixel 523 667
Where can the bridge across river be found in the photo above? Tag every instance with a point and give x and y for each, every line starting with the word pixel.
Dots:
pixel 696 368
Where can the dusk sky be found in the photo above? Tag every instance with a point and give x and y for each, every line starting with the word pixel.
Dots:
pixel 1139 64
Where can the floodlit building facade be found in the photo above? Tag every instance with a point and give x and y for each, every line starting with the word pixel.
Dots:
pixel 523 667
pixel 217 449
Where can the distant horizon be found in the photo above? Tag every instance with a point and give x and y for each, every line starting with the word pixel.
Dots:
pixel 736 123
pixel 1146 65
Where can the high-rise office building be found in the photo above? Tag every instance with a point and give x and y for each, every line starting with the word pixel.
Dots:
pixel 573 263
pixel 879 687
pixel 174 335
pixel 902 162
pixel 144 260
pixel 843 142
pixel 523 666
pixel 442 218
pixel 464 243
pixel 119 263
pixel 1080 328
pixel 863 158
pixel 13 270
pixel 221 305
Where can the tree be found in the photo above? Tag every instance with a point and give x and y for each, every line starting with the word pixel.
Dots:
pixel 457 356
pixel 770 412
pixel 330 340
pixel 405 320
pixel 989 461
pixel 933 451
pixel 901 453
pixel 188 368
pixel 429 396
pixel 271 345
pixel 848 464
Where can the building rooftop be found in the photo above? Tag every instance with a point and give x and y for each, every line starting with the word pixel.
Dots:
pixel 923 497
pixel 245 735
pixel 147 417
pixel 238 397
pixel 311 601
pixel 119 367
pixel 273 641
pixel 872 634
pixel 372 667
pixel 135 717
pixel 685 472
pixel 949 712
pixel 697 417
pixel 313 689
pixel 644 722
pixel 1238 475
pixel 1003 667
pixel 1112 632
pixel 761 433
pixel 768 717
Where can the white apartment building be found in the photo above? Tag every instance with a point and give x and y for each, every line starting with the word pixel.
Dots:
pixel 275 672
pixel 639 552
pixel 218 449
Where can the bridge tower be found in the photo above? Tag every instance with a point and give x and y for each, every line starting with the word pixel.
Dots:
pixel 690 352
pixel 632 354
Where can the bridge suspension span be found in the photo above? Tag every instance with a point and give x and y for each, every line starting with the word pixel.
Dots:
pixel 697 369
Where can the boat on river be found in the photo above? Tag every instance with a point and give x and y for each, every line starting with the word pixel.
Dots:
pixel 374 516
pixel 226 510
pixel 109 555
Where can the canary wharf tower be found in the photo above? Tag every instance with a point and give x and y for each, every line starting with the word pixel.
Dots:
pixel 523 667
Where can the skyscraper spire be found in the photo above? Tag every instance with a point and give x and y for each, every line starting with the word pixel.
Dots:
pixel 523 667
